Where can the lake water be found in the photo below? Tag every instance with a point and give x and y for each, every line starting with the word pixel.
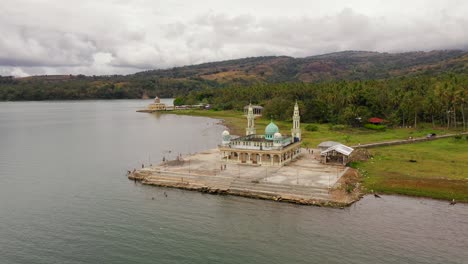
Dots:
pixel 64 198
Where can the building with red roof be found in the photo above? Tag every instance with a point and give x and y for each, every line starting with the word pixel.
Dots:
pixel 375 120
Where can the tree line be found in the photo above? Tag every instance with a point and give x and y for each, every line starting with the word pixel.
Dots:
pixel 403 101
pixel 95 87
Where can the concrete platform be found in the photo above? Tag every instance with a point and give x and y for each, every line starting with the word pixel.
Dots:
pixel 304 181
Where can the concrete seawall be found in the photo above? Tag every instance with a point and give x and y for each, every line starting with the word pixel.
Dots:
pixel 304 181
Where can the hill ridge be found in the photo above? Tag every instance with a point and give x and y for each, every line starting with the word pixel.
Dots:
pixel 344 65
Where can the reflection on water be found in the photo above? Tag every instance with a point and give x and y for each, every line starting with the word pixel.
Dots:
pixel 64 198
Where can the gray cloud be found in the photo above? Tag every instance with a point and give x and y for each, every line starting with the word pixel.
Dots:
pixel 33 46
pixel 118 37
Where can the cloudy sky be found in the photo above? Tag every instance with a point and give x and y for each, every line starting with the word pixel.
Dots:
pixel 126 36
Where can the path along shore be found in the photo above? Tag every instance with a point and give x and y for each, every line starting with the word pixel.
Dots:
pixel 406 141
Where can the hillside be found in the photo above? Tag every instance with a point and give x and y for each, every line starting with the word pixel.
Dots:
pixel 347 65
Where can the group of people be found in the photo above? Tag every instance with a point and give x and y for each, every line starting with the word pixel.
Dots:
pixel 223 167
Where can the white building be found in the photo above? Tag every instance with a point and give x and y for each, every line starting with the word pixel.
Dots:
pixel 271 148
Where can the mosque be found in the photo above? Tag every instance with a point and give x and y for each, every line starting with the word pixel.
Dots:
pixel 157 105
pixel 270 149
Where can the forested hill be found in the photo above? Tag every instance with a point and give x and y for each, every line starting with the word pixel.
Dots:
pixel 348 65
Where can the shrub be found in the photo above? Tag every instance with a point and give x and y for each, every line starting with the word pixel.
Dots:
pixel 178 101
pixel 349 188
pixel 353 164
pixel 311 127
pixel 375 127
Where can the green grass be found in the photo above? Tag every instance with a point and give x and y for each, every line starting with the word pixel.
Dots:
pixel 349 136
pixel 354 136
pixel 440 170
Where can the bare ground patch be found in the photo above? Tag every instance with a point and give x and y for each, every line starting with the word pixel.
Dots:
pixel 348 188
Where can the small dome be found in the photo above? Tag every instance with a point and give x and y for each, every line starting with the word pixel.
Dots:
pixel 277 135
pixel 271 129
pixel 225 133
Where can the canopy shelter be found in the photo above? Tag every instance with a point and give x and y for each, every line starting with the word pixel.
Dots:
pixel 327 144
pixel 336 154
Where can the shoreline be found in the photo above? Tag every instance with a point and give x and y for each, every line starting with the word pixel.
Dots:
pixel 232 122
pixel 304 181
pixel 208 190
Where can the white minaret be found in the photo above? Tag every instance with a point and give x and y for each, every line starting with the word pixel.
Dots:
pixel 250 130
pixel 296 129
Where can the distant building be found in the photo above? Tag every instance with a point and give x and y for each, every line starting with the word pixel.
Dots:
pixel 375 120
pixel 257 110
pixel 157 105
pixel 270 149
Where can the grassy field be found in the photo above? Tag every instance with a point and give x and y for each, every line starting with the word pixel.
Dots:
pixel 349 136
pixel 440 170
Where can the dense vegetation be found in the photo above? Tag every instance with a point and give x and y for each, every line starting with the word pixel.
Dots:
pixel 334 67
pixel 402 101
pixel 67 87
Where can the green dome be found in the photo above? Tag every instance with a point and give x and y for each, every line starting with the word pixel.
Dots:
pixel 270 130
